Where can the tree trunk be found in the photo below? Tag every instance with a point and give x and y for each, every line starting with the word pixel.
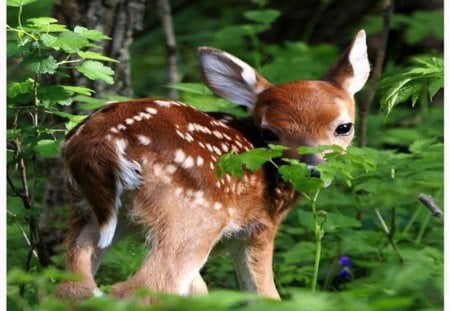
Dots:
pixel 119 20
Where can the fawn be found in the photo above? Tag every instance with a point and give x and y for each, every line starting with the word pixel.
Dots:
pixel 151 163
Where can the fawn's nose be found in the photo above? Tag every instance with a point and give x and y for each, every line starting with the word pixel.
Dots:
pixel 313 172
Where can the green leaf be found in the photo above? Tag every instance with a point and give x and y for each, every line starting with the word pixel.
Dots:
pixel 49 95
pixel 17 3
pixel 96 71
pixel 424 76
pixel 45 24
pixel 47 148
pixel 262 16
pixel 19 88
pixel 41 64
pixel 89 34
pixel 68 41
pixel 73 119
pixel 96 56
pixel 78 90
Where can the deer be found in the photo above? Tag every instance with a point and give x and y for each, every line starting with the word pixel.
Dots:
pixel 151 164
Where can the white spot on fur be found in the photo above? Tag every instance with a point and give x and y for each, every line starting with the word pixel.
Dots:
pixel 144 115
pixel 114 130
pixel 121 127
pixel 151 110
pixel 217 150
pixel 218 134
pixel 138 118
pixel 143 140
pixel 129 121
pixel 171 169
pixel 225 147
pixel 180 156
pixel 162 103
pixel 188 162
pixel 217 206
pixel 200 161
pixel 211 165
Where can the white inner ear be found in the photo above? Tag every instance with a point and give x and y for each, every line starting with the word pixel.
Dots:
pixel 223 78
pixel 360 63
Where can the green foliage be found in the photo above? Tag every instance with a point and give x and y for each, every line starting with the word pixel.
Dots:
pixel 33 45
pixel 418 82
pixel 416 27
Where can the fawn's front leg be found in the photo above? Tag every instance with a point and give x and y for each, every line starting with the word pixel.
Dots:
pixel 252 260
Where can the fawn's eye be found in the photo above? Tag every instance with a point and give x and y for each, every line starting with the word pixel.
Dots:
pixel 344 129
pixel 268 135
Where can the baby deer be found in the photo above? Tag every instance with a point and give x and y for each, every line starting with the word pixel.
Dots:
pixel 151 163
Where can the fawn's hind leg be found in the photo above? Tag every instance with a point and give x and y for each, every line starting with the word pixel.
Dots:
pixel 179 249
pixel 82 258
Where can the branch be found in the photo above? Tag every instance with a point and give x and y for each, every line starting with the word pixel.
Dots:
pixel 367 98
pixel 428 201
pixel 171 45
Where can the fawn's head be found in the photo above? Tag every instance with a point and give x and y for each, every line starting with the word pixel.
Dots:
pixel 302 113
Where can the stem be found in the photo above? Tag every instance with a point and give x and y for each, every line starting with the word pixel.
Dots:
pixel 412 220
pixel 318 234
pixel 423 228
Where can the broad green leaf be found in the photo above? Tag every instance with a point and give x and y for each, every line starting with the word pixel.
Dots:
pixel 96 71
pixel 45 24
pixel 78 90
pixel 73 119
pixel 96 56
pixel 17 3
pixel 18 88
pixel 89 34
pixel 262 16
pixel 47 148
pixel 68 41
pixel 41 64
pixel 52 94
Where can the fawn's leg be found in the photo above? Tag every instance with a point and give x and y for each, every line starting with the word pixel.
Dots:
pixel 179 249
pixel 198 286
pixel 82 256
pixel 252 260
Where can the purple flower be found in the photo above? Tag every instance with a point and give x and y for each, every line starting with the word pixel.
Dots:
pixel 344 274
pixel 345 261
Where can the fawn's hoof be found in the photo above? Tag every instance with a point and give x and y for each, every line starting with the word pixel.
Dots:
pixel 77 290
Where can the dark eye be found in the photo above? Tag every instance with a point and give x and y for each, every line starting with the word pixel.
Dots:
pixel 344 129
pixel 268 135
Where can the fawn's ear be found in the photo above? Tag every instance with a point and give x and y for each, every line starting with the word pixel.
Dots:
pixel 352 68
pixel 230 77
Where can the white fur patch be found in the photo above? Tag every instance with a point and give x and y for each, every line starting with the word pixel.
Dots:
pixel 180 156
pixel 107 231
pixel 128 178
pixel 97 292
pixel 359 62
pixel 143 140
pixel 151 110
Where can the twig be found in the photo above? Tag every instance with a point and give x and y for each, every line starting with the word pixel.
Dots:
pixel 428 201
pixel 367 98
pixel 171 45
pixel 389 233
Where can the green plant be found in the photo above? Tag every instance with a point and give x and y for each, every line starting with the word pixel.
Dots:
pixel 42 50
